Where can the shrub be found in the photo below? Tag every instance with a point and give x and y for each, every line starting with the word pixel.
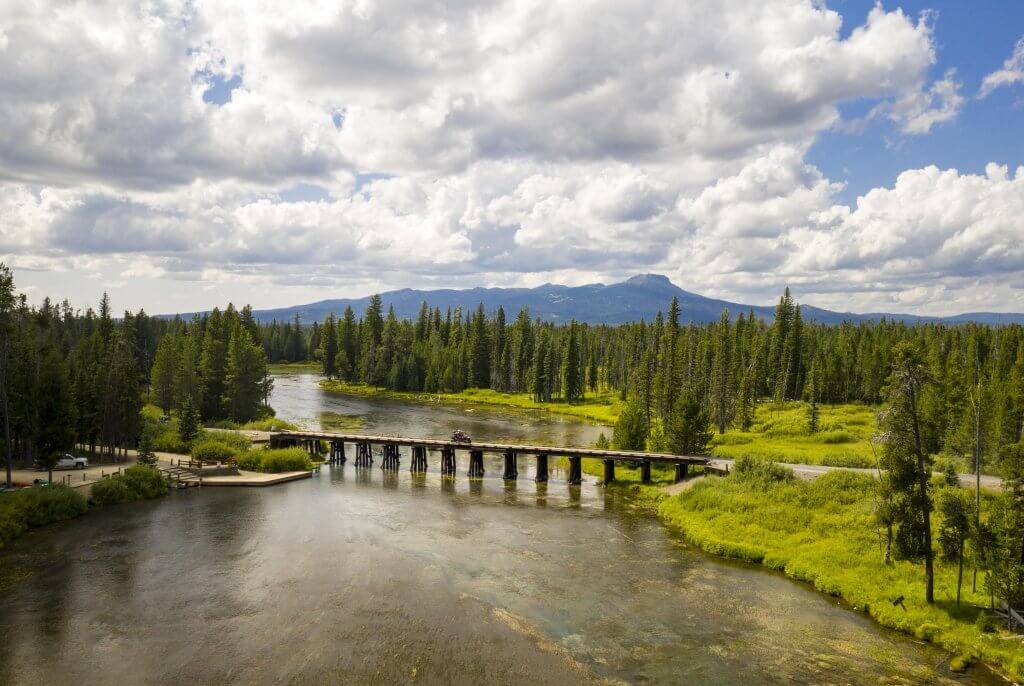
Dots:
pixel 213 450
pixel 110 491
pixel 750 469
pixel 275 461
pixel 239 442
pixel 31 507
pixel 168 441
pixel 834 437
pixel 846 460
pixel 135 483
pixel 732 439
pixel 270 424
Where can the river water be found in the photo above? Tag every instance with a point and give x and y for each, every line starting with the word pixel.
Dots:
pixel 362 577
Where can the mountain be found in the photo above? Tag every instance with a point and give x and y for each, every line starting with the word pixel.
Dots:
pixel 639 297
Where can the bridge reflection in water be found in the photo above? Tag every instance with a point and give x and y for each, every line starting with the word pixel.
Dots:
pixel 336 443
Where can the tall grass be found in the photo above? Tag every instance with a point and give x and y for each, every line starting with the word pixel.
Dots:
pixel 275 461
pixel 28 508
pixel 138 482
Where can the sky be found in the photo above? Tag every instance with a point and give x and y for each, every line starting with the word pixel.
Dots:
pixel 180 155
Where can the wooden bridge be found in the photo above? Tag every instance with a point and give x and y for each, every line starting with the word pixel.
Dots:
pixel 389 449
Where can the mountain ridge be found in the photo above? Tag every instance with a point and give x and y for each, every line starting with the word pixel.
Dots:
pixel 639 297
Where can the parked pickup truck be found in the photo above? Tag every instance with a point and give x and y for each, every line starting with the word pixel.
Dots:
pixel 67 461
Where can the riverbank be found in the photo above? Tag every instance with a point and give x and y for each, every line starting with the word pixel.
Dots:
pixel 823 532
pixel 602 408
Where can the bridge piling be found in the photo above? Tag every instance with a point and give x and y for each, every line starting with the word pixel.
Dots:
pixel 511 466
pixel 476 464
pixel 419 459
pixel 645 471
pixel 390 460
pixel 364 455
pixel 681 470
pixel 447 461
pixel 609 471
pixel 542 467
pixel 575 471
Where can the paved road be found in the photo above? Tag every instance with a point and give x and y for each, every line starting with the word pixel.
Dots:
pixel 812 471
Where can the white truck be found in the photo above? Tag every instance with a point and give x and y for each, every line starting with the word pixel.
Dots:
pixel 68 461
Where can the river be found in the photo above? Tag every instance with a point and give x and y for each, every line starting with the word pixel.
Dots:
pixel 371 578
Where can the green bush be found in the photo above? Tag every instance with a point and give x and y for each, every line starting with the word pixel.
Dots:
pixel 167 440
pixel 213 450
pixel 834 437
pixel 750 469
pixel 275 461
pixel 31 507
pixel 847 460
pixel 270 424
pixel 135 483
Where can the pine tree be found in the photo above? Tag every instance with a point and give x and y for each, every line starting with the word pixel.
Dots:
pixel 540 369
pixel 55 409
pixel 145 453
pixel 572 370
pixel 329 347
pixel 688 429
pixel 480 350
pixel 213 368
pixel 246 373
pixel 7 306
pixel 904 459
pixel 630 431
pixel 721 381
pixel 813 392
pixel 1005 579
pixel 348 345
pixel 163 372
pixel 745 403
pixel 189 421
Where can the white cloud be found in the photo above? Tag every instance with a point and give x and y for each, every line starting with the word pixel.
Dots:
pixel 1011 73
pixel 503 142
pixel 918 112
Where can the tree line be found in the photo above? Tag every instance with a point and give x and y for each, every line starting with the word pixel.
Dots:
pixel 70 378
pixel 723 369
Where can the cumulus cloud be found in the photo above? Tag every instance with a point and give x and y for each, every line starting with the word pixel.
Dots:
pixel 1011 73
pixel 505 142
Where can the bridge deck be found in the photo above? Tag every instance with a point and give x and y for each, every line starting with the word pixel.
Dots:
pixel 437 444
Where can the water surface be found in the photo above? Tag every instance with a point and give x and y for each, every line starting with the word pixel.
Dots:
pixel 365 577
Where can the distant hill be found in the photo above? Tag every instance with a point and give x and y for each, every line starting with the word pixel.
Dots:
pixel 640 297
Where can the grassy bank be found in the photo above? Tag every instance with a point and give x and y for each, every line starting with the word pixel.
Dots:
pixel 822 532
pixel 294 368
pixel 779 434
pixel 602 408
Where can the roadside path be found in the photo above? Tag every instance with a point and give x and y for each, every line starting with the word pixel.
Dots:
pixel 813 471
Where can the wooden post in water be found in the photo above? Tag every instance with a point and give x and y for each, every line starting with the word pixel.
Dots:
pixel 364 455
pixel 575 471
pixel 476 464
pixel 340 457
pixel 681 470
pixel 609 471
pixel 391 459
pixel 645 471
pixel 448 461
pixel 542 467
pixel 419 459
pixel 511 466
